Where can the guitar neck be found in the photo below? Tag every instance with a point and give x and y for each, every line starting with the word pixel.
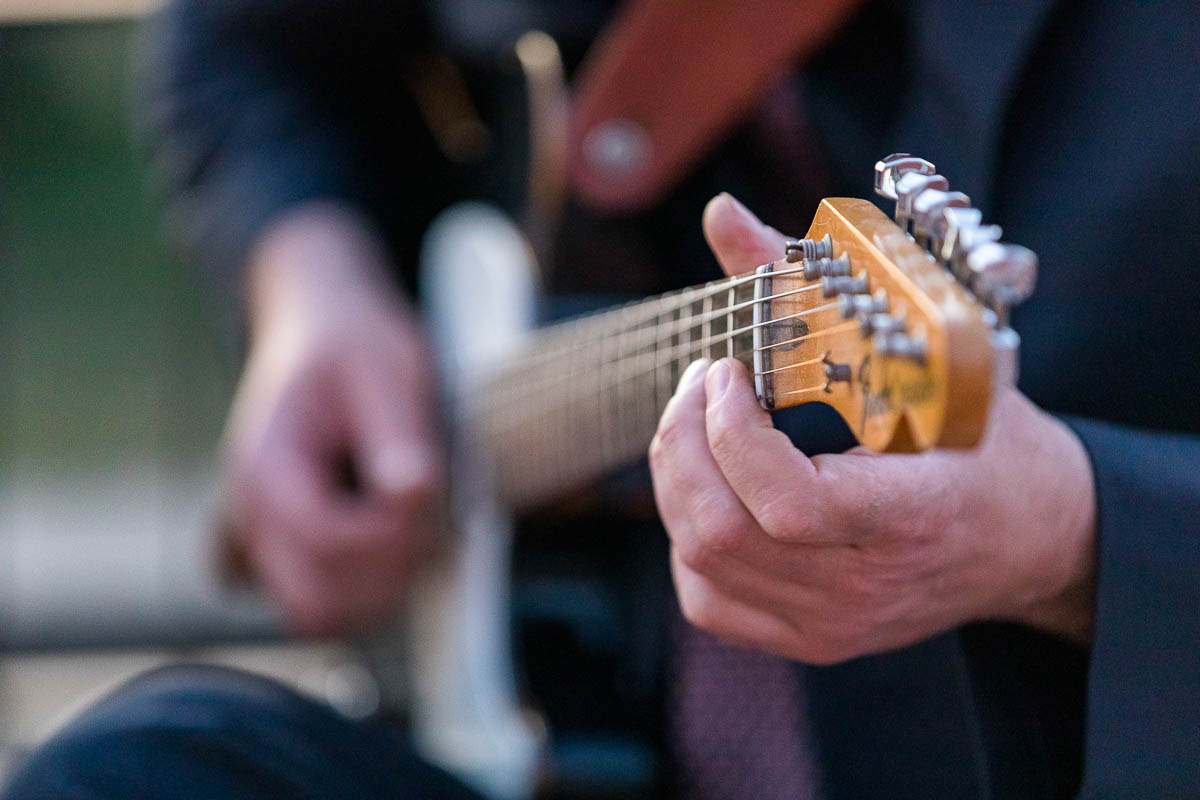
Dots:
pixel 584 396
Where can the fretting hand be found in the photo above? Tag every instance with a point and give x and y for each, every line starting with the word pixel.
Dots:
pixel 826 558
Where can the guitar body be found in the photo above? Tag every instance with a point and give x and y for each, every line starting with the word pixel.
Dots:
pixel 480 290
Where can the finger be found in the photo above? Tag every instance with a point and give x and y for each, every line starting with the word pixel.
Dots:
pixel 738 239
pixel 709 608
pixel 707 522
pixel 778 485
pixel 395 443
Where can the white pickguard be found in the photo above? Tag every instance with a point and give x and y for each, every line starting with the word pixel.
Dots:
pixel 479 287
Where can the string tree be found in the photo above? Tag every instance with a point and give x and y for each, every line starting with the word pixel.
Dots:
pixel 835 371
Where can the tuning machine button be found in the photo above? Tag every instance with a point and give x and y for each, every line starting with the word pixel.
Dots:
pixel 908 187
pixel 809 249
pixel 963 234
pixel 889 170
pixel 1003 275
pixel 928 223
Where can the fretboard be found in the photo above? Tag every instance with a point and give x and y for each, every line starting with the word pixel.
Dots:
pixel 584 396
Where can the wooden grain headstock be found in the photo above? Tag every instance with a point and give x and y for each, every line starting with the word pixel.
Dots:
pixel 882 331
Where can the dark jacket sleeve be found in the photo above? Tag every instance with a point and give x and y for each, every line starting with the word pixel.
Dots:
pixel 1143 717
pixel 249 108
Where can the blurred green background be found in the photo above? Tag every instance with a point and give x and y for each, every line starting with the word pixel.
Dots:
pixel 108 346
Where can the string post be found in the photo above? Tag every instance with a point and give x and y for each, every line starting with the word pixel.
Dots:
pixel 912 347
pixel 832 287
pixel 855 305
pixel 827 268
pixel 808 249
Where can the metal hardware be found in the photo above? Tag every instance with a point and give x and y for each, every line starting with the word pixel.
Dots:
pixel 881 323
pixel 831 287
pixel 889 170
pixel 908 187
pixel 851 305
pixel 928 224
pixel 1003 275
pixel 827 268
pixel 618 148
pixel 808 249
pixel 913 347
pixel 835 372
pixel 964 233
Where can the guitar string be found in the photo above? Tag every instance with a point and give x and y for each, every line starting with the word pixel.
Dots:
pixel 702 344
pixel 693 320
pixel 523 401
pixel 676 328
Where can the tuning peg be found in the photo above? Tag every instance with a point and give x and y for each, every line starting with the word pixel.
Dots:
pixel 1003 274
pixel 908 187
pixel 809 249
pixel 827 267
pixel 831 287
pixel 913 347
pixel 928 223
pixel 889 170
pixel 964 233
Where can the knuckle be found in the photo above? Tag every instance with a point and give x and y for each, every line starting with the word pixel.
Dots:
pixel 695 554
pixel 666 439
pixel 720 528
pixel 780 519
pixel 700 608
pixel 723 438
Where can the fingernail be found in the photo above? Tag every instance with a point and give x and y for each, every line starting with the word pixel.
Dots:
pixel 737 206
pixel 717 380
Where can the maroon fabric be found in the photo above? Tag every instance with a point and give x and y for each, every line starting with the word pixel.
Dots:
pixel 738 726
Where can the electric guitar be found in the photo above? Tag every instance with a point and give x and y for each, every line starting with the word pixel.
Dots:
pixel 899 324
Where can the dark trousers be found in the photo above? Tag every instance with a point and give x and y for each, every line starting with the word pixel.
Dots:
pixel 205 732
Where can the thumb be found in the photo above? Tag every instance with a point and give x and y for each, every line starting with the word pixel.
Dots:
pixel 739 239
pixel 397 451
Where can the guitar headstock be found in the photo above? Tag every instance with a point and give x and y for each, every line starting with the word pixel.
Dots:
pixel 900 325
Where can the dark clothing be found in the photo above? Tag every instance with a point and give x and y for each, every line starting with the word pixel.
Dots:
pixel 201 732
pixel 1073 124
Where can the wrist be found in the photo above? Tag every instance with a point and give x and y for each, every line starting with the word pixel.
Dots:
pixel 1066 606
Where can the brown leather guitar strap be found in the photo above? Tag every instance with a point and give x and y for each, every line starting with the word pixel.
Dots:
pixel 668 78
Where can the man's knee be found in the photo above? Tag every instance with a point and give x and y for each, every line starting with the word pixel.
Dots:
pixel 213 732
